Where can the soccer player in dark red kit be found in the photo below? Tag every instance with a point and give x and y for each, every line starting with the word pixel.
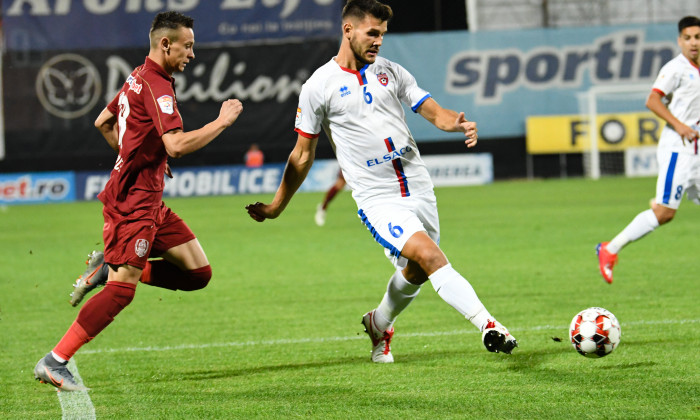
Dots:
pixel 144 125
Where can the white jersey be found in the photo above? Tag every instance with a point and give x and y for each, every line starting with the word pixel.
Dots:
pixel 361 113
pixel 680 79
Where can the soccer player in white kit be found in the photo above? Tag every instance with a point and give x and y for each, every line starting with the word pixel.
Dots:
pixel 356 99
pixel 677 152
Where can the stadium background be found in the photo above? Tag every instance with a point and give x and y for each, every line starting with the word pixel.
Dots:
pixel 276 335
pixel 499 61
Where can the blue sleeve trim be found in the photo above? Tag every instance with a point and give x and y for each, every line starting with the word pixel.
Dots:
pixel 414 108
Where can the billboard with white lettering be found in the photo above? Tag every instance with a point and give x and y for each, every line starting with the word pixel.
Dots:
pixel 34 188
pixel 53 98
pixel 70 24
pixel 498 79
pixel 198 181
pixel 445 170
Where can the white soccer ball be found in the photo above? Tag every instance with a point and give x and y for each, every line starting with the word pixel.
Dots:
pixel 595 332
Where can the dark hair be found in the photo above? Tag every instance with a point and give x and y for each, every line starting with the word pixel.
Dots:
pixel 360 8
pixel 687 22
pixel 171 20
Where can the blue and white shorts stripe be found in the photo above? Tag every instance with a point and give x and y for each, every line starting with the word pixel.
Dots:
pixel 391 222
pixel 679 174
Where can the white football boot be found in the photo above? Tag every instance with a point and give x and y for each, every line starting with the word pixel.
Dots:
pixel 381 340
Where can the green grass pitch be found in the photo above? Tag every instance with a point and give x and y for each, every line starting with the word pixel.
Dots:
pixel 277 333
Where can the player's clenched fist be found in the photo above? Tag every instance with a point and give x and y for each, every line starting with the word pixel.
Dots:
pixel 230 110
pixel 469 128
pixel 260 211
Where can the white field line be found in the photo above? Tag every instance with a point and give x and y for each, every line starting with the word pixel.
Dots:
pixel 562 329
pixel 76 404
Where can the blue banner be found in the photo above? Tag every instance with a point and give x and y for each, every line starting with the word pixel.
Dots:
pixel 33 188
pixel 498 78
pixel 45 187
pixel 219 180
pixel 87 24
pixel 198 181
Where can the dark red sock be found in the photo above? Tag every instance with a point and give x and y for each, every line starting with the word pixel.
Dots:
pixel 329 196
pixel 161 273
pixel 98 312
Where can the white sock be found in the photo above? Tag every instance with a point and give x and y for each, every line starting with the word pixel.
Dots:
pixel 399 293
pixel 456 291
pixel 58 358
pixel 643 224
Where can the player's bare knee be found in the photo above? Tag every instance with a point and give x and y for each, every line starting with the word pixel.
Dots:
pixel 665 217
pixel 663 214
pixel 430 260
pixel 414 274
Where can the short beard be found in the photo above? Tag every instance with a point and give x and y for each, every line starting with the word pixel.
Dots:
pixel 361 59
pixel 359 56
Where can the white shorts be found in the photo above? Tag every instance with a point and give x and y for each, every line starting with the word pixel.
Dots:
pixel 392 221
pixel 679 173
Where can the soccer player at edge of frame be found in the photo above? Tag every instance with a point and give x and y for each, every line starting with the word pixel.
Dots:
pixel 142 123
pixel 677 152
pixel 356 98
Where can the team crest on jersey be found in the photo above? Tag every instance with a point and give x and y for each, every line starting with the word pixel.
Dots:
pixel 383 78
pixel 297 120
pixel 344 91
pixel 165 103
pixel 141 247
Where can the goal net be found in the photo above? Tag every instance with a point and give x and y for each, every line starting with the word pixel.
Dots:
pixel 618 124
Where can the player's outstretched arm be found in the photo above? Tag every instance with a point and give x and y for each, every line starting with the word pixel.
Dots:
pixel 178 143
pixel 298 165
pixel 449 120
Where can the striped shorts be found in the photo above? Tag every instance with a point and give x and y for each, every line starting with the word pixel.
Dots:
pixel 679 174
pixel 393 221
